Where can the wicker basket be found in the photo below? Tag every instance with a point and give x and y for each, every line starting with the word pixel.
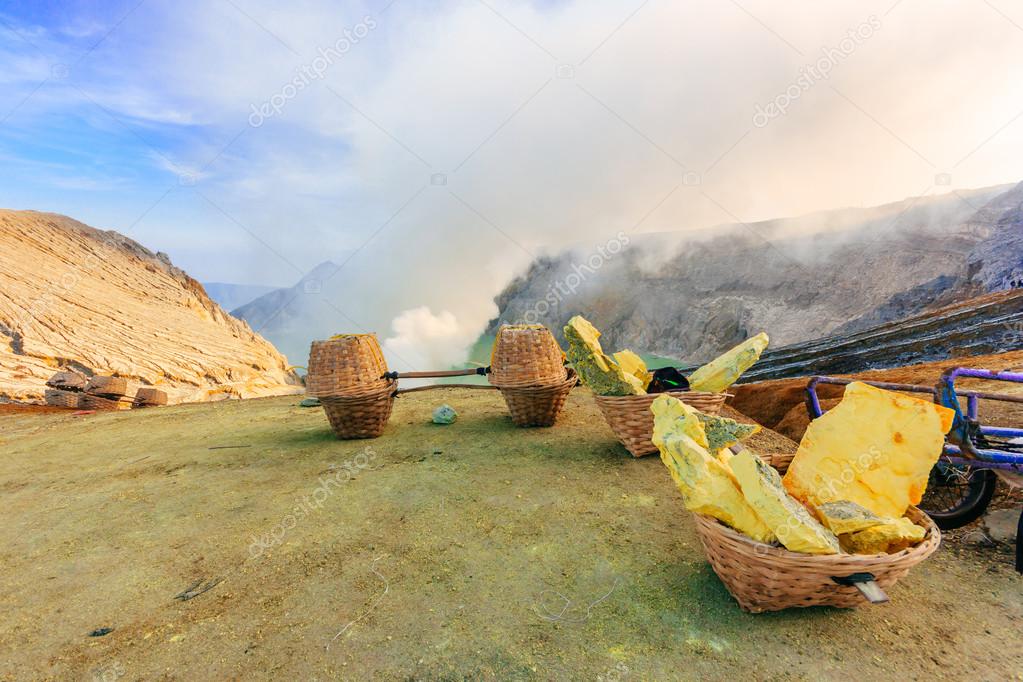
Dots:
pixel 767 578
pixel 67 381
pixel 362 413
pixel 150 397
pixel 630 418
pixel 349 364
pixel 107 386
pixel 526 355
pixel 88 401
pixel 538 405
pixel 779 460
pixel 58 398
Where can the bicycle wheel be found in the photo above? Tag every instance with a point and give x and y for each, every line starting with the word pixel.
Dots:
pixel 956 496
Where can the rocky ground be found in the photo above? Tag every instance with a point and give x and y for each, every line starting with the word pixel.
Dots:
pixel 240 540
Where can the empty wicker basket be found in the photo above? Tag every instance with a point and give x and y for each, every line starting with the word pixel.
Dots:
pixel 527 365
pixel 107 386
pixel 347 374
pixel 538 405
pixel 630 418
pixel 89 401
pixel 361 414
pixel 526 355
pixel 345 363
pixel 768 578
pixel 149 397
pixel 61 398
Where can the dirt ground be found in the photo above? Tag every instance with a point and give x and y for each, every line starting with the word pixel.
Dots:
pixel 471 551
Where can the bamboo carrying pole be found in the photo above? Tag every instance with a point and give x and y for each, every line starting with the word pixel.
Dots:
pixel 481 371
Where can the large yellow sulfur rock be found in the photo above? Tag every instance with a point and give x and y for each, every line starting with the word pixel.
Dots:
pixel 875 448
pixel 634 365
pixel 847 517
pixel 685 417
pixel 708 486
pixel 725 370
pixel 723 432
pixel 790 521
pixel 598 371
pixel 893 536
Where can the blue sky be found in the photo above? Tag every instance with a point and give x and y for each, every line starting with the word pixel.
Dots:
pixel 451 142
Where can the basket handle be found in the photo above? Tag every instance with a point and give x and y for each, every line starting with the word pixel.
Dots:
pixel 865 583
pixel 485 387
pixel 481 371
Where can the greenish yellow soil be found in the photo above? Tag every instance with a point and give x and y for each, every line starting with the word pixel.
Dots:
pixel 471 551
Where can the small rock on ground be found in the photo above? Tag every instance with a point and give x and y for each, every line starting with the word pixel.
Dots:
pixel 1001 525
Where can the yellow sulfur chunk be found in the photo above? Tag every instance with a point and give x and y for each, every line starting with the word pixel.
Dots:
pixel 725 370
pixel 790 521
pixel 634 365
pixel 597 370
pixel 707 485
pixel 893 536
pixel 686 420
pixel 847 517
pixel 875 448
pixel 723 432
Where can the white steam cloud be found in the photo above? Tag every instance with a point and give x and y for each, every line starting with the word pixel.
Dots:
pixel 424 340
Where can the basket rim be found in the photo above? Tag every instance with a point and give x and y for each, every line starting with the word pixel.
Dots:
pixel 712 526
pixel 363 394
pixel 653 396
pixel 570 377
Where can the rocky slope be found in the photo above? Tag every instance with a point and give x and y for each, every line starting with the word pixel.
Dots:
pixel 80 298
pixel 984 325
pixel 799 279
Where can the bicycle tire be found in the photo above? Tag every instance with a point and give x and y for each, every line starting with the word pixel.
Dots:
pixel 953 504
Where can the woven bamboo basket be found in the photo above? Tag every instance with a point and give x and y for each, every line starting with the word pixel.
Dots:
pixel 767 578
pixel 630 418
pixel 538 405
pixel 67 381
pixel 361 413
pixel 149 397
pixel 107 386
pixel 59 398
pixel 779 460
pixel 88 401
pixel 345 365
pixel 526 355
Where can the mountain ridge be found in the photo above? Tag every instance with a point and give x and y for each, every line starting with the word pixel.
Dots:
pixel 98 302
pixel 870 266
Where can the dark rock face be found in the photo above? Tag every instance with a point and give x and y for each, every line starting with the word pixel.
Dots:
pixel 978 326
pixel 866 268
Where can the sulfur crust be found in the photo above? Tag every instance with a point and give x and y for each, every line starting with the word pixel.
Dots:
pixel 723 371
pixel 707 486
